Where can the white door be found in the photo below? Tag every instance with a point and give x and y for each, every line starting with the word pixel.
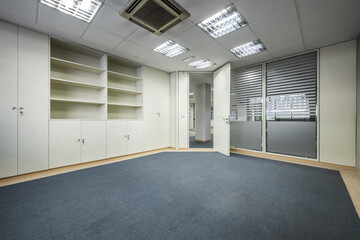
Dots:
pixel 8 100
pixel 33 95
pixel 222 110
pixel 93 140
pixel 135 136
pixel 116 138
pixel 64 143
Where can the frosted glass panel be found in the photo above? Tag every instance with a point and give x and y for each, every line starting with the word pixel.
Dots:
pixel 293 138
pixel 245 134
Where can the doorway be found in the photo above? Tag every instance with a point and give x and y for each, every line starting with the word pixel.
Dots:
pixel 201 110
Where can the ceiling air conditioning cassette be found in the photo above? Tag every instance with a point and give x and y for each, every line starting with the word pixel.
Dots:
pixel 157 16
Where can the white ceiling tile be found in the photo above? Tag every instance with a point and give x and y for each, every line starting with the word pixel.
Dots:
pixel 154 57
pixel 276 22
pixel 254 10
pixel 284 38
pixel 110 20
pixel 284 43
pixel 147 39
pixel 257 58
pixel 192 38
pixel 202 9
pixel 62 22
pixel 214 52
pixel 326 22
pixel 132 49
pixel 101 37
pixel 237 64
pixel 117 5
pixel 176 30
pixel 286 51
pixel 237 38
pixel 25 10
pixel 185 55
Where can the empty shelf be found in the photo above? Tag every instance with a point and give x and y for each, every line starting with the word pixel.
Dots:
pixel 75 83
pixel 76 101
pixel 124 90
pixel 123 76
pixel 78 66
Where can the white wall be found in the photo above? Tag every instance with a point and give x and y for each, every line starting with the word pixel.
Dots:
pixel 358 102
pixel 173 121
pixel 338 103
pixel 180 117
pixel 203 112
pixel 183 105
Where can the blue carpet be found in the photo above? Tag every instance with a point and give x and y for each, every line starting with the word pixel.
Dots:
pixel 182 196
pixel 195 144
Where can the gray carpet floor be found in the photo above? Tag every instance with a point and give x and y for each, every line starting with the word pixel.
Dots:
pixel 182 196
pixel 195 144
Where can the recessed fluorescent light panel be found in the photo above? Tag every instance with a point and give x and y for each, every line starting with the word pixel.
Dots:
pixel 82 9
pixel 248 49
pixel 223 22
pixel 170 49
pixel 204 63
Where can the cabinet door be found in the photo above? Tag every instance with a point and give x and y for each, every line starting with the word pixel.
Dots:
pixel 8 100
pixel 163 133
pixel 156 102
pixel 33 95
pixel 116 138
pixel 135 132
pixel 65 143
pixel 94 140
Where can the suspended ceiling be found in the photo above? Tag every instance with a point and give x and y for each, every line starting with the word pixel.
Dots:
pixel 286 27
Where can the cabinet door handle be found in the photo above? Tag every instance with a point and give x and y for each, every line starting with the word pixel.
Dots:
pixel 79 139
pixel 21 108
pixel 14 108
pixel 83 141
pixel 128 137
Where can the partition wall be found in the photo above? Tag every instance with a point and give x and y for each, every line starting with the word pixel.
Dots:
pixel 274 106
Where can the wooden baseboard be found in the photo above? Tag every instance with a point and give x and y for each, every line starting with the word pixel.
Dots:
pixel 55 171
pixel 292 160
pixel 192 150
pixel 203 141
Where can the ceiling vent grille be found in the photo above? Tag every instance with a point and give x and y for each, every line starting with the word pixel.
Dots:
pixel 156 16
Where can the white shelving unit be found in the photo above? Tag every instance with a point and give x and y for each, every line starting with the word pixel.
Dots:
pixel 89 85
pixel 124 90
pixel 78 82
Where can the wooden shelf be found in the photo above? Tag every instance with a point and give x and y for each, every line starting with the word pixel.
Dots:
pixel 123 76
pixel 76 101
pixel 121 90
pixel 74 65
pixel 75 83
pixel 125 105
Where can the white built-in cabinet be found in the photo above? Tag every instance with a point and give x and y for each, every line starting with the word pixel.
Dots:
pixel 24 87
pixel 73 142
pixel 156 108
pixel 63 104
pixel 8 99
pixel 124 137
